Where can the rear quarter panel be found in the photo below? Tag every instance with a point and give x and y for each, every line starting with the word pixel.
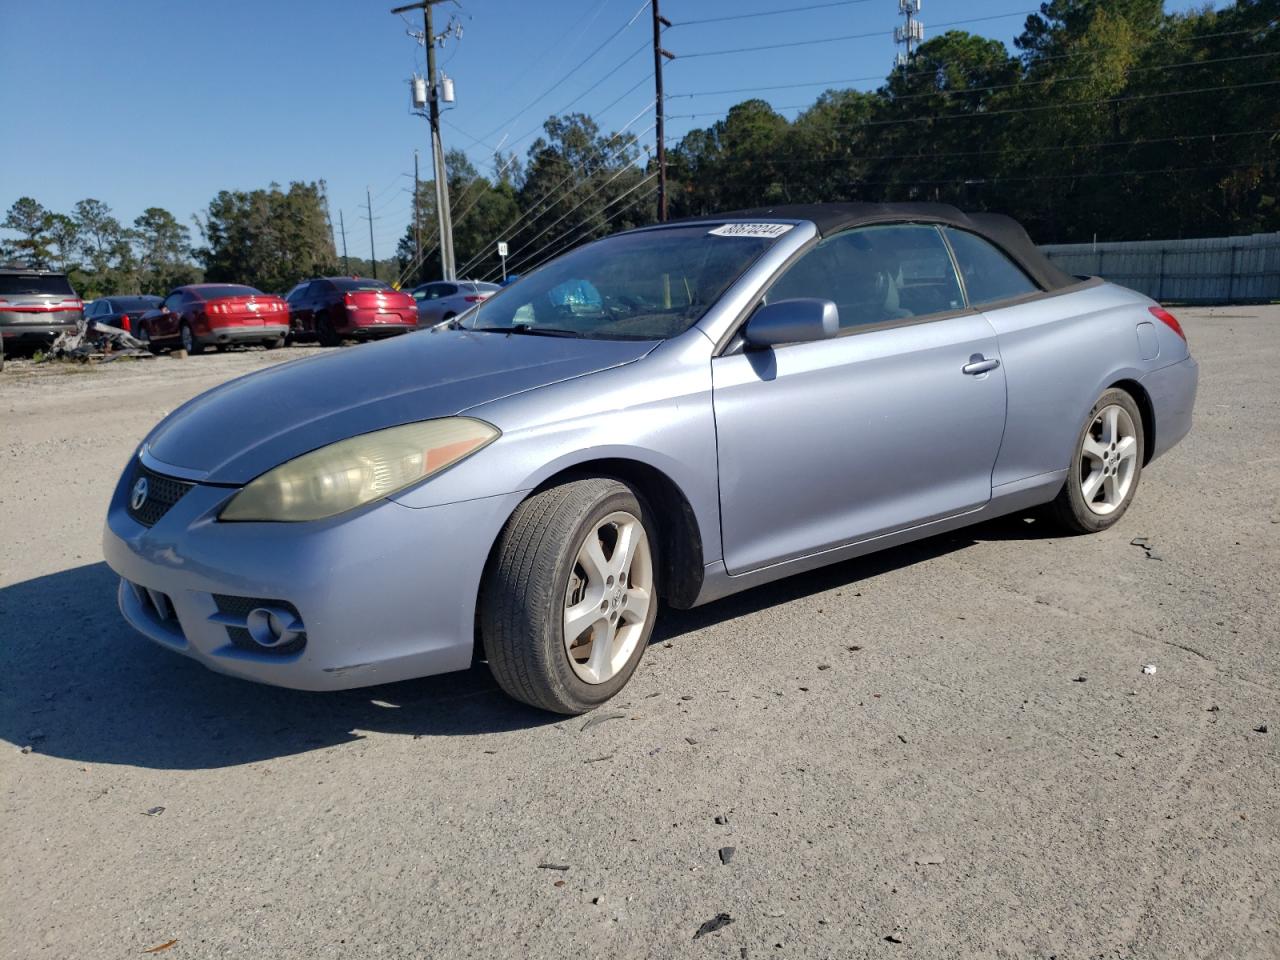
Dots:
pixel 1059 353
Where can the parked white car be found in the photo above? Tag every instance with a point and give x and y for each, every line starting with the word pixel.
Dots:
pixel 444 300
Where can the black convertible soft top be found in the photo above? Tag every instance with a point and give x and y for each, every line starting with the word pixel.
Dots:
pixel 1005 232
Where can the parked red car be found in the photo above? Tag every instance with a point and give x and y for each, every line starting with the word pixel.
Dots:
pixel 331 308
pixel 215 314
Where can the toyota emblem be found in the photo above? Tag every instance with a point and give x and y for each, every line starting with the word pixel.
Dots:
pixel 139 496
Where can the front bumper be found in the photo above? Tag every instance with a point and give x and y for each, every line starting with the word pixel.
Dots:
pixel 385 593
pixel 1172 390
pixel 238 334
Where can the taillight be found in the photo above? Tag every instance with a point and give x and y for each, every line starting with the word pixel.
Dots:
pixel 473 299
pixel 1168 319
pixel 124 323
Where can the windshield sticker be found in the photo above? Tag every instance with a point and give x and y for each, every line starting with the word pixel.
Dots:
pixel 766 231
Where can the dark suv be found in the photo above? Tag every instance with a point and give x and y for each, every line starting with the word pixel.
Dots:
pixel 35 306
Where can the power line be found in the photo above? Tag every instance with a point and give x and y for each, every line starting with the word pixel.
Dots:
pixel 1002 151
pixel 986 181
pixel 517 266
pixel 582 63
pixel 619 172
pixel 850 36
pixel 533 207
pixel 768 13
pixel 977 88
pixel 1011 110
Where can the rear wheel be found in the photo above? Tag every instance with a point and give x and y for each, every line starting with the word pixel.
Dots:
pixel 274 343
pixel 570 597
pixel 325 333
pixel 189 342
pixel 1106 466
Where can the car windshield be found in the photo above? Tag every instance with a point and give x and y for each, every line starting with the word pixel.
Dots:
pixel 648 285
pixel 355 283
pixel 130 304
pixel 17 284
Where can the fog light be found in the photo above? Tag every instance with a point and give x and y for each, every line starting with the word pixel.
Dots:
pixel 272 627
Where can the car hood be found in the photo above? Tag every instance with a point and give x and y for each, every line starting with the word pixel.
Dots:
pixel 243 428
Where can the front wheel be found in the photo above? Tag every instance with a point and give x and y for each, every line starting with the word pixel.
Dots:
pixel 274 343
pixel 1106 466
pixel 570 597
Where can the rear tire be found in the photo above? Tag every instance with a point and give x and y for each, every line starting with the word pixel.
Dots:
pixel 325 333
pixel 189 341
pixel 570 597
pixel 274 343
pixel 1105 467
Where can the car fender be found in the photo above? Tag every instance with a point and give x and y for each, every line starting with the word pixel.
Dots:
pixel 656 412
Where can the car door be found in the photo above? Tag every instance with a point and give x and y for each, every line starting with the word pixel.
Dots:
pixel 895 422
pixel 296 299
pixel 165 324
pixel 432 308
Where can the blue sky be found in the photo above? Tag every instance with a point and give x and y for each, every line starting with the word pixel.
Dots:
pixel 164 102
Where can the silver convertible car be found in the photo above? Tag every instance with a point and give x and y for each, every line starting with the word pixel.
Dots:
pixel 673 413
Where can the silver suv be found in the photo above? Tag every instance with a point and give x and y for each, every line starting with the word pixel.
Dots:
pixel 35 306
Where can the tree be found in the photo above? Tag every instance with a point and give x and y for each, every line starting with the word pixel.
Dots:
pixel 30 219
pixel 269 238
pixel 64 238
pixel 163 249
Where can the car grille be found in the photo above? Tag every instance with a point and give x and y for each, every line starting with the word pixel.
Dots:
pixel 240 608
pixel 162 493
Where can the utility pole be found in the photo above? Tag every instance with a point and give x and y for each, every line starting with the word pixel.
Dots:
pixel 346 261
pixel 373 256
pixel 417 229
pixel 911 33
pixel 437 147
pixel 659 21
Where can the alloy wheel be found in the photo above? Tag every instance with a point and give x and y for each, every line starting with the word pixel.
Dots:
pixel 1108 460
pixel 610 597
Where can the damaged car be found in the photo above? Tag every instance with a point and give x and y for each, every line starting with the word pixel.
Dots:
pixel 662 417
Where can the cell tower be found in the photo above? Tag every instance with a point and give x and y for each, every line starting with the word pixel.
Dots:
pixel 912 32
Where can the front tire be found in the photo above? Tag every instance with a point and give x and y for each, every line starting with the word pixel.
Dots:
pixel 275 343
pixel 1105 467
pixel 570 597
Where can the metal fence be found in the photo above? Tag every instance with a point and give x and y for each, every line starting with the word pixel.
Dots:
pixel 1211 270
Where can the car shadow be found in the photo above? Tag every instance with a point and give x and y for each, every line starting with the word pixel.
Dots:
pixel 76 682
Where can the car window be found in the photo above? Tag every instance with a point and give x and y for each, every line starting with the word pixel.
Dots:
pixel 876 275
pixel 297 293
pixel 17 284
pixel 354 284
pixel 988 274
pixel 173 301
pixel 445 290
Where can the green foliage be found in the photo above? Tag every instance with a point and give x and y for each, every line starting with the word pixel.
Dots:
pixel 269 239
pixel 1067 138
pixel 28 218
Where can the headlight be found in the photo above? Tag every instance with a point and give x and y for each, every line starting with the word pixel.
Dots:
pixel 349 473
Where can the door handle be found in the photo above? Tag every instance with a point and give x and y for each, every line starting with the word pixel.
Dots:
pixel 979 364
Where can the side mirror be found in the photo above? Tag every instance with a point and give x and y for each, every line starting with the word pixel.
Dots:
pixel 793 321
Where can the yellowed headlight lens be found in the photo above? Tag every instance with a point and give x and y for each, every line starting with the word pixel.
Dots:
pixel 349 473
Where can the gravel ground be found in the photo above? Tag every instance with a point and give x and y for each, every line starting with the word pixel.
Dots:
pixel 943 750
